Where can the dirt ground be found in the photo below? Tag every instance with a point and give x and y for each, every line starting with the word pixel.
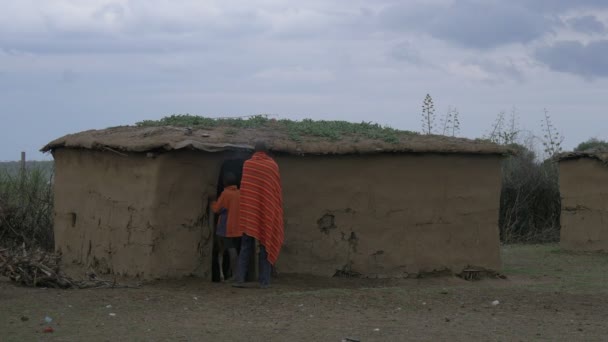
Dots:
pixel 548 295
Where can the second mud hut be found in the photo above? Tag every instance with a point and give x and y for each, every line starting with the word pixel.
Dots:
pixel 583 183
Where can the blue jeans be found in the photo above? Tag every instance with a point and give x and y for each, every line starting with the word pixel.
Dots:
pixel 247 245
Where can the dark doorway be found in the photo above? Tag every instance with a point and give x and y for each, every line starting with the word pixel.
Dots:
pixel 235 166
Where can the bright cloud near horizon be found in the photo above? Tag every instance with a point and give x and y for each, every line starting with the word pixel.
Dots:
pixel 72 65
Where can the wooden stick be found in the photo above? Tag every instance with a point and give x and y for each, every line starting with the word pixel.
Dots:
pixel 113 150
pixel 22 164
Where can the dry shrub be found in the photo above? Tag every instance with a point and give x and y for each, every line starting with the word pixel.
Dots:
pixel 530 203
pixel 26 207
pixel 41 268
pixel 530 200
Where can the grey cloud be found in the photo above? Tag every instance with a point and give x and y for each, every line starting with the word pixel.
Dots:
pixel 587 24
pixel 89 43
pixel 408 17
pixel 68 76
pixel 487 25
pixel 6 50
pixel 502 70
pixel 471 23
pixel 329 24
pixel 485 70
pixel 498 70
pixel 56 43
pixel 556 6
pixel 187 17
pixel 405 52
pixel 142 32
pixel 234 24
pixel 574 57
pixel 114 12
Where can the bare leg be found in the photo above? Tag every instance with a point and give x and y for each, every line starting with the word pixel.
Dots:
pixel 220 256
pixel 220 261
pixel 233 261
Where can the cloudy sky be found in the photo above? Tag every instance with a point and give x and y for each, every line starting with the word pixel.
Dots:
pixel 71 65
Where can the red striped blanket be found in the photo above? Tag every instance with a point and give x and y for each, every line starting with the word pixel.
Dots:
pixel 261 207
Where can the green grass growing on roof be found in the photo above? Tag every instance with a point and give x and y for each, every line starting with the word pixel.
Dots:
pixel 195 121
pixel 332 130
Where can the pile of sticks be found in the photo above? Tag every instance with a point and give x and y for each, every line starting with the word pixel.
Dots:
pixel 38 268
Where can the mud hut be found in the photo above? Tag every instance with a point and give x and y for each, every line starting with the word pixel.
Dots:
pixel 133 200
pixel 583 183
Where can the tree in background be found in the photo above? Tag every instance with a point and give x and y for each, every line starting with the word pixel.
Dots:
pixel 552 139
pixel 505 130
pixel 592 144
pixel 451 122
pixel 428 115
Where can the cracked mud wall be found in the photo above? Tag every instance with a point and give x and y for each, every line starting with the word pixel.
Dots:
pixel 184 243
pixel 134 215
pixel 373 215
pixel 584 191
pixel 388 215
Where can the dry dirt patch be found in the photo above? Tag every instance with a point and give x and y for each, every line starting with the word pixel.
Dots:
pixel 549 295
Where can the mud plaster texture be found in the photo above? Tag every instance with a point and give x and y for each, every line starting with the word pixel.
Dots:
pixel 390 215
pixel 133 215
pixel 385 215
pixel 584 191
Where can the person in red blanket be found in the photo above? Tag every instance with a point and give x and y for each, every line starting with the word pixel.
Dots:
pixel 260 214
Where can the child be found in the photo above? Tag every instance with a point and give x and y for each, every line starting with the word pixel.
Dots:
pixel 228 231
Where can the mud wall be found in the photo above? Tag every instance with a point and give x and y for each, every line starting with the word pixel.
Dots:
pixel 184 243
pixel 584 191
pixel 134 215
pixel 385 215
pixel 390 215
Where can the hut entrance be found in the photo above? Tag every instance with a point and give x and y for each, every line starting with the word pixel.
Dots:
pixel 234 166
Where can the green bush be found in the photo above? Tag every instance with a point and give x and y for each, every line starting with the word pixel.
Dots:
pixel 592 144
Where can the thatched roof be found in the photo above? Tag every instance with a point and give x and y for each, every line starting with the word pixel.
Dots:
pixel 167 138
pixel 598 155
